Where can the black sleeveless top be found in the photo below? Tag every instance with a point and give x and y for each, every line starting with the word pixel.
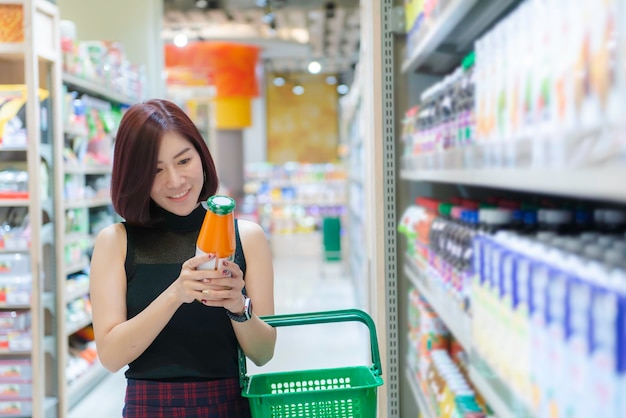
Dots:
pixel 198 343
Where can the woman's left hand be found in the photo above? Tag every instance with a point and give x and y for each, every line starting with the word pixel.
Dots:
pixel 223 286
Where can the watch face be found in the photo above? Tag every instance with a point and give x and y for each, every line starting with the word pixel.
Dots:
pixel 248 308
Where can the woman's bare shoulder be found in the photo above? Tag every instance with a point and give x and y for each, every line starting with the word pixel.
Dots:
pixel 112 236
pixel 249 228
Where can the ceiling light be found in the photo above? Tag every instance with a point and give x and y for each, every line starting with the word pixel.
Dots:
pixel 331 80
pixel 201 4
pixel 298 90
pixel 315 67
pixel 342 89
pixel 180 40
pixel 278 81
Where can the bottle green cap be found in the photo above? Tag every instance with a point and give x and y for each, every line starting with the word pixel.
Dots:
pixel 469 60
pixel 221 205
pixel 445 209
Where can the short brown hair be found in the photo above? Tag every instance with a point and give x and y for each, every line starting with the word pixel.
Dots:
pixel 136 152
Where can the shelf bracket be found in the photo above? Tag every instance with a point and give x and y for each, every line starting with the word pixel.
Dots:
pixel 396 20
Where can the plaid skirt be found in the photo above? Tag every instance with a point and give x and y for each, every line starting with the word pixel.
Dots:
pixel 209 399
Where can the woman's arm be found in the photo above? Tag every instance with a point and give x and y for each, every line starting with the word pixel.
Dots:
pixel 120 341
pixel 256 338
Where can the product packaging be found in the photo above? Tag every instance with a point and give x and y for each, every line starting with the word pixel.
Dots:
pixel 217 234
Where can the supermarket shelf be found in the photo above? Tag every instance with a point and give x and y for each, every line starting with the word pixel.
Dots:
pixel 95 89
pixel 46 7
pixel 455 319
pixel 445 24
pixel 601 183
pixel 14 202
pixel 14 250
pixel 50 344
pixel 14 306
pixel 76 326
pixel 48 301
pixel 76 267
pixel 93 169
pixel 305 203
pixel 85 383
pixel 15 51
pixel 50 405
pixel 10 353
pixel 77 291
pixel 88 203
pixel 74 131
pixel 459 24
pixel 48 55
pixel 276 183
pixel 422 402
pixel 75 237
pixel 12 51
pixel 46 152
pixel 16 148
pixel 495 392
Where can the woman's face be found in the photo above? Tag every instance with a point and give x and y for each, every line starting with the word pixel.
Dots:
pixel 179 176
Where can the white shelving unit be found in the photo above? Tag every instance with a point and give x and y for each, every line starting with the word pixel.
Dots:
pixel 72 392
pixel 351 133
pixel 35 62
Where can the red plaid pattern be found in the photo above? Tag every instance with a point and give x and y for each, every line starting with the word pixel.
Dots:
pixel 210 399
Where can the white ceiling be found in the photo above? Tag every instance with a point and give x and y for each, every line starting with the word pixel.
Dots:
pixel 302 30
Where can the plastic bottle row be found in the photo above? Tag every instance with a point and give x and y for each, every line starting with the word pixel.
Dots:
pixel 551 286
pixel 559 319
pixel 442 233
pixel 544 90
pixel 294 173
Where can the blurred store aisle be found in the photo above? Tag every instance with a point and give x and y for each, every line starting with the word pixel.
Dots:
pixel 303 284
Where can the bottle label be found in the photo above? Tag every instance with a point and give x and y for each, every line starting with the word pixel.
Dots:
pixel 212 264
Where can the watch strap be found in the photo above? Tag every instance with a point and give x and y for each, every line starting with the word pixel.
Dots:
pixel 247 311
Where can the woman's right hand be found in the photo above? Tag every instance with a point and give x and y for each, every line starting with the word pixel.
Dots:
pixel 189 281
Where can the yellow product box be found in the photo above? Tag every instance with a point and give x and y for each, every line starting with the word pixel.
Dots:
pixel 13 99
pixel 11 23
pixel 412 9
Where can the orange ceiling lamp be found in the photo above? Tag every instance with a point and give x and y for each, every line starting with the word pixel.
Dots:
pixel 230 67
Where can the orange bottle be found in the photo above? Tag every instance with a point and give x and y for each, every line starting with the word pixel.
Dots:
pixel 217 234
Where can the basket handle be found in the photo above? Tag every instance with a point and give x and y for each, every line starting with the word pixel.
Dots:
pixel 308 318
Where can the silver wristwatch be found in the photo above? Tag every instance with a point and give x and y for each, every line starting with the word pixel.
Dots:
pixel 247 311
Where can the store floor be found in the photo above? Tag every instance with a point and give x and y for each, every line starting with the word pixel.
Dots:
pixel 302 284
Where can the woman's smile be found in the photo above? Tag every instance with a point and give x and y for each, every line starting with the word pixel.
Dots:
pixel 180 196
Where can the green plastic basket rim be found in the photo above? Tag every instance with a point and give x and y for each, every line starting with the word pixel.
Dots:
pixel 309 318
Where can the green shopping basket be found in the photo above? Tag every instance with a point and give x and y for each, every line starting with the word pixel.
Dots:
pixel 345 392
